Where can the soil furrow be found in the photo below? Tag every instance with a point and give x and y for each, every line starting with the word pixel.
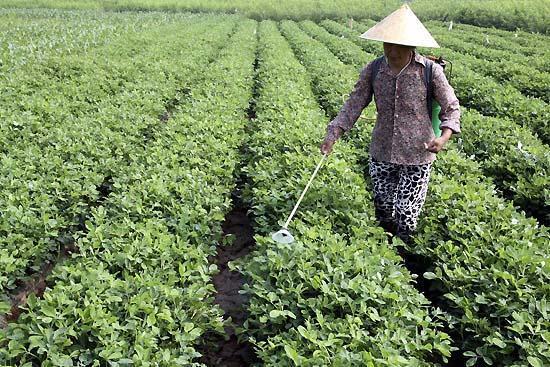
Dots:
pixel 228 350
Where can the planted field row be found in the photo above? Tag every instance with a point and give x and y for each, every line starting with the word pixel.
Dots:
pixel 66 80
pixel 516 161
pixel 529 15
pixel 139 290
pixel 499 46
pixel 257 9
pixel 62 162
pixel 522 37
pixel 122 137
pixel 488 259
pixel 25 41
pixel 522 73
pixel 337 296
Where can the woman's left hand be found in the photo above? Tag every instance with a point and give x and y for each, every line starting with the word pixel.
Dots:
pixel 436 145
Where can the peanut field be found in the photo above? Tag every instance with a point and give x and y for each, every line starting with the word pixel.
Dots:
pixel 128 138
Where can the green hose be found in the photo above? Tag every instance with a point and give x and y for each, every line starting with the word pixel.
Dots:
pixel 436 108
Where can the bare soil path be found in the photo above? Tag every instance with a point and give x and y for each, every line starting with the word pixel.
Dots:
pixel 228 350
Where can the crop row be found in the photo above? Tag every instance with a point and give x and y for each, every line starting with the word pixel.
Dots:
pixel 139 290
pixel 487 259
pixel 503 101
pixel 256 9
pixel 70 138
pixel 25 41
pixel 64 138
pixel 337 296
pixel 529 15
pixel 517 161
pixel 474 37
pixel 40 149
pixel 519 71
pixel 523 38
pixel 54 79
pixel 504 43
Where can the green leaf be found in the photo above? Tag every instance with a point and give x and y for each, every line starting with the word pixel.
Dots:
pixel 498 342
pixel 188 326
pixel 62 361
pixel 275 313
pixel 292 354
pixel 534 361
pixel 429 275
pixel 36 341
pixel 278 313
pixel 488 360
pixel 4 307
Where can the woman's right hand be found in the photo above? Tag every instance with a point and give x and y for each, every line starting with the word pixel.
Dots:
pixel 326 146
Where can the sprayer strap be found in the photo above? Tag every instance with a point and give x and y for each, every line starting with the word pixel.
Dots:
pixel 428 82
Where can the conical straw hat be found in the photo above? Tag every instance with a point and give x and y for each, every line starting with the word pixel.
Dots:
pixel 401 27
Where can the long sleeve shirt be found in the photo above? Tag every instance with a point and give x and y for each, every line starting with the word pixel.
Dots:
pixel 403 124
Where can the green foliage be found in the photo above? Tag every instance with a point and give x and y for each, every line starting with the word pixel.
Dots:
pixel 534 43
pixel 529 15
pixel 139 291
pixel 315 58
pixel 493 99
pixel 491 264
pixel 256 9
pixel 82 93
pixel 518 162
pixel 346 51
pixel 70 121
pixel 527 74
pixel 519 47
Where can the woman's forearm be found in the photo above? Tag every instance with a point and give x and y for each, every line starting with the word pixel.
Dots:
pixel 334 132
pixel 446 133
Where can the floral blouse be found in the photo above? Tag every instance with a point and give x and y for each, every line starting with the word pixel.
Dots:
pixel 403 123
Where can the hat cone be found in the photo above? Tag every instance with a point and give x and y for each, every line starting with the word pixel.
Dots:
pixel 401 27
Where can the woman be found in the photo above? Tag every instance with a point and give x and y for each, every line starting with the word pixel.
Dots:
pixel 403 143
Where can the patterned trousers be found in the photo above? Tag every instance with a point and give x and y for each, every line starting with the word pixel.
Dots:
pixel 399 194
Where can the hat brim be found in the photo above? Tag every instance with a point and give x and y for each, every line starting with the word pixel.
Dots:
pixel 401 27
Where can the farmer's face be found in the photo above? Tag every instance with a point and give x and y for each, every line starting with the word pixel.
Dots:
pixel 396 53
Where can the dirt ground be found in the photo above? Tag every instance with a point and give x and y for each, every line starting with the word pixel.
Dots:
pixel 231 352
